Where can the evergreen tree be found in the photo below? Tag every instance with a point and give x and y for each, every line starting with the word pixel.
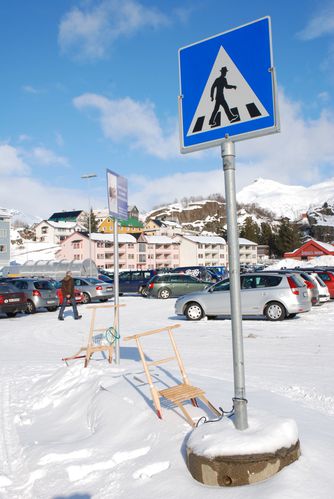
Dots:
pixel 267 237
pixel 250 230
pixel 288 237
pixel 93 222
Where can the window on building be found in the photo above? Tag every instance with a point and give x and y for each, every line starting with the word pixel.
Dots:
pixel 3 248
pixel 3 233
pixel 142 247
pixel 44 230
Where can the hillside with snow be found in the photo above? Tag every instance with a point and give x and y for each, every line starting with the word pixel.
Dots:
pixel 286 200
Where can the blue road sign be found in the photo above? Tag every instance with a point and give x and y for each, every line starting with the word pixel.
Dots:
pixel 117 192
pixel 227 87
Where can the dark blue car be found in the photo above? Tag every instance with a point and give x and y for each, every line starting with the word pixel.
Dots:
pixel 130 281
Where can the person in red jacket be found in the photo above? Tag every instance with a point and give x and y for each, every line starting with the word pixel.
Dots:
pixel 67 289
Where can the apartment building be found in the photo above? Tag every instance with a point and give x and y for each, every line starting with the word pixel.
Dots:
pixel 156 252
pixel 203 250
pixel 248 251
pixel 78 247
pixel 4 238
pixel 55 232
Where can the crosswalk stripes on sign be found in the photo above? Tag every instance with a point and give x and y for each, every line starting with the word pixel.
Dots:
pixel 235 103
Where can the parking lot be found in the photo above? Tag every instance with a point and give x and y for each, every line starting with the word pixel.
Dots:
pixel 49 409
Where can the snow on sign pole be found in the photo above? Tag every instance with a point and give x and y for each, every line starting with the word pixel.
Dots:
pixel 228 93
pixel 117 193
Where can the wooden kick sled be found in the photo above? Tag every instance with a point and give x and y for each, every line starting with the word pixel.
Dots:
pixel 103 342
pixel 178 394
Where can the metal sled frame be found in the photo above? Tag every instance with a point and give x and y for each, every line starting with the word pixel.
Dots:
pixel 177 394
pixel 91 348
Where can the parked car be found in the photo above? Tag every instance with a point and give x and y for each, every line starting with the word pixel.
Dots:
pixel 131 281
pixel 327 276
pixel 275 296
pixel 78 295
pixel 311 284
pixel 93 289
pixel 198 271
pixel 12 301
pixel 322 288
pixel 40 293
pixel 170 285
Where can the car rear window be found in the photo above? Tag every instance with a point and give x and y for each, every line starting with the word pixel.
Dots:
pixel 324 276
pixel 43 285
pixel 297 280
pixel 6 288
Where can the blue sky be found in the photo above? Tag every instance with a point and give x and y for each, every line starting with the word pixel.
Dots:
pixel 90 85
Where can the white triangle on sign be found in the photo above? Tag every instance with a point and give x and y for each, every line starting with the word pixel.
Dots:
pixel 242 101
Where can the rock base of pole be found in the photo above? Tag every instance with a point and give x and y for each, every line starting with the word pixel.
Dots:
pixel 229 471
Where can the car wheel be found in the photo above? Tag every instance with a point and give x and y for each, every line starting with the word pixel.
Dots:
pixel 164 293
pixel 11 314
pixel 274 311
pixel 143 292
pixel 51 309
pixel 194 312
pixel 31 309
pixel 85 298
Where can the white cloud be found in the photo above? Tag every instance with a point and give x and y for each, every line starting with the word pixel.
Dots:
pixel 133 122
pixel 47 157
pixel 29 89
pixel 297 155
pixel 152 192
pixel 87 33
pixel 321 24
pixel 31 196
pixel 10 161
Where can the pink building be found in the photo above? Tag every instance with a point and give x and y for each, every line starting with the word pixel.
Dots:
pixel 148 252
pixel 156 252
pixel 76 247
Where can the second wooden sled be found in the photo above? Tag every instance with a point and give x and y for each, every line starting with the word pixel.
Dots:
pixel 179 393
pixel 87 352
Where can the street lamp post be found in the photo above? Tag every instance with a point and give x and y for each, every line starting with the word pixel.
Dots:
pixel 88 176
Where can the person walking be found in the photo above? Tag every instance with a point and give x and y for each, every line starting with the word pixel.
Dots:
pixel 67 289
pixel 219 85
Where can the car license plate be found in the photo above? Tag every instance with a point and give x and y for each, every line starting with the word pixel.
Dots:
pixel 50 302
pixel 11 300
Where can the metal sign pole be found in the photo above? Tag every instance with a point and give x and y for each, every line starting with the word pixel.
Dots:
pixel 239 400
pixel 116 290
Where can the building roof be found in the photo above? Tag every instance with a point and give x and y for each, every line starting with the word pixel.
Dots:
pixel 206 239
pixel 159 240
pixel 242 240
pixel 62 216
pixel 122 238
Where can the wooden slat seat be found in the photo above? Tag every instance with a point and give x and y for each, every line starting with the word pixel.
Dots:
pixel 179 393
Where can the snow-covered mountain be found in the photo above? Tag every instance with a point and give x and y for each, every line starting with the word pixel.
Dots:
pixel 286 200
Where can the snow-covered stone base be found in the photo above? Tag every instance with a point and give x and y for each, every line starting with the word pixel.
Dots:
pixel 220 455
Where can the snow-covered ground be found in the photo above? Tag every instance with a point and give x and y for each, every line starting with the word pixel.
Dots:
pixel 70 432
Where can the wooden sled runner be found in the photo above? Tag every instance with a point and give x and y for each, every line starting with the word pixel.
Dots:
pixel 92 347
pixel 179 393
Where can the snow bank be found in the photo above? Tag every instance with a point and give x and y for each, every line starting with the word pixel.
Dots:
pixel 265 434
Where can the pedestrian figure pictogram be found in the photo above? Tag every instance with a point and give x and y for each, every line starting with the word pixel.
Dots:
pixel 217 90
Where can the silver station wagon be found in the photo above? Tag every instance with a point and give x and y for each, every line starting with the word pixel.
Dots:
pixel 275 296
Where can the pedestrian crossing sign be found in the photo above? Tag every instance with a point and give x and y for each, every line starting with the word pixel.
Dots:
pixel 228 87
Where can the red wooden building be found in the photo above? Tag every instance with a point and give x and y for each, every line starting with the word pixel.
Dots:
pixel 310 250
